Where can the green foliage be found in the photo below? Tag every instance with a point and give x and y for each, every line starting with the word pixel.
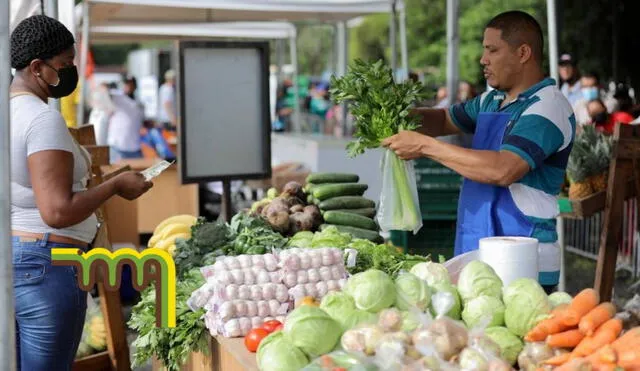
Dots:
pixel 379 105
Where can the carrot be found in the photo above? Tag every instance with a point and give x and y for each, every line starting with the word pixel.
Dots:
pixel 629 357
pixel 577 364
pixel 552 325
pixel 558 360
pixel 605 354
pixel 629 339
pixel 580 305
pixel 596 317
pixel 605 334
pixel 567 339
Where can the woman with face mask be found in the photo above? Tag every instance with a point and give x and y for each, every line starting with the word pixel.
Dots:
pixel 604 121
pixel 50 204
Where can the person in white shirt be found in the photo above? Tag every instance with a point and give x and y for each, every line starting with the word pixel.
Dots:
pixel 167 117
pixel 570 77
pixel 124 127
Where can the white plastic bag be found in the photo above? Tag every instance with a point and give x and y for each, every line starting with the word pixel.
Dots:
pixel 399 207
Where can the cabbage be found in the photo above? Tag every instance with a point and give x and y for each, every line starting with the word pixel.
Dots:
pixel 481 309
pixel 337 302
pixel 454 312
pixel 277 353
pixel 510 345
pixel 301 239
pixel 431 272
pixel 312 330
pixel 373 290
pixel 473 359
pixel 330 237
pixel 412 292
pixel 478 278
pixel 410 322
pixel 526 304
pixel 558 298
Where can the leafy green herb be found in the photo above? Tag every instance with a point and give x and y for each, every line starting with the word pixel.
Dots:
pixel 205 238
pixel 379 105
pixel 386 258
pixel 171 346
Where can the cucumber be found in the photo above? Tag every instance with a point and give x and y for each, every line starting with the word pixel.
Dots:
pixel 350 220
pixel 347 202
pixel 369 212
pixel 319 178
pixel 310 199
pixel 356 232
pixel 323 192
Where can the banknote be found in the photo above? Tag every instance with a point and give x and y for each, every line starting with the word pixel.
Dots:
pixel 156 169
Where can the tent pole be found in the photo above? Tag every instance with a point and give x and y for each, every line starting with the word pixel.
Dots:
pixel 7 319
pixel 343 61
pixel 403 42
pixel 553 38
pixel 84 51
pixel 280 60
pixel 51 10
pixel 452 50
pixel 296 91
pixel 392 37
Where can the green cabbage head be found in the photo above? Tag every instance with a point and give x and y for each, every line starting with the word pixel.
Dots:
pixel 341 307
pixel 456 309
pixel 411 291
pixel 372 290
pixel 312 330
pixel 558 298
pixel 431 272
pixel 510 345
pixel 277 353
pixel 478 310
pixel 478 278
pixel 526 304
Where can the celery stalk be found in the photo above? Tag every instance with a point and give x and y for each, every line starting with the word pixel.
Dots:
pixel 406 216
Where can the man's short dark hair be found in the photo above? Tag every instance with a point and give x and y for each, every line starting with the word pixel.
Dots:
pixel 519 28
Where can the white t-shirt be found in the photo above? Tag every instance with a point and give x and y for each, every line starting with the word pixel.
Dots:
pixel 125 123
pixel 167 95
pixel 36 127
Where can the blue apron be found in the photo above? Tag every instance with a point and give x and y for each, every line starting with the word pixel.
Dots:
pixel 486 210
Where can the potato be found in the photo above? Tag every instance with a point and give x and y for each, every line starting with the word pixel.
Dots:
pixel 296 209
pixel 279 220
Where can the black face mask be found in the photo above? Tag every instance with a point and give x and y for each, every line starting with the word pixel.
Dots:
pixel 600 118
pixel 67 82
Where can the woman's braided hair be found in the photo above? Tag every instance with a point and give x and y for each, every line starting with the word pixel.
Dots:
pixel 38 37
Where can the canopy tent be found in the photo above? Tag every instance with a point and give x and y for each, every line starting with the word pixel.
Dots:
pixel 156 31
pixel 197 31
pixel 128 12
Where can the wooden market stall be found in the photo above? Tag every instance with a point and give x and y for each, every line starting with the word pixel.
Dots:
pixel 623 184
pixel 223 354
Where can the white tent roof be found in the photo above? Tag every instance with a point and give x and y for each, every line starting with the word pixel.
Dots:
pixel 206 11
pixel 177 31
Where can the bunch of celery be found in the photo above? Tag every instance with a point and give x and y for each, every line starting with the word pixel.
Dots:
pixel 380 108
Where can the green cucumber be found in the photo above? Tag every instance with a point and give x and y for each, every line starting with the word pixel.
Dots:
pixel 323 192
pixel 350 220
pixel 310 199
pixel 319 178
pixel 356 232
pixel 347 202
pixel 369 212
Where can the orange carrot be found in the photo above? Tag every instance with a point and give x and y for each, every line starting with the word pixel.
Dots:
pixel 552 325
pixel 605 334
pixel 580 305
pixel 577 364
pixel 567 339
pixel 605 354
pixel 558 360
pixel 629 339
pixel 596 317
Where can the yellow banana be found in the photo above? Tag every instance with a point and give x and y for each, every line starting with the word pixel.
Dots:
pixel 153 240
pixel 183 219
pixel 172 250
pixel 174 228
pixel 171 240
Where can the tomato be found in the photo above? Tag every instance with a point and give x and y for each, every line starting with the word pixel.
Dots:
pixel 253 338
pixel 278 328
pixel 270 326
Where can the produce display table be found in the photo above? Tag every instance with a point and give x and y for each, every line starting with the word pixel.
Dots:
pixel 167 197
pixel 228 354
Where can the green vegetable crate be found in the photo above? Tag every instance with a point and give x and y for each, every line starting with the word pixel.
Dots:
pixel 438 192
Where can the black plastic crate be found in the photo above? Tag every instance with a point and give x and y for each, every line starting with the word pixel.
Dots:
pixel 436 237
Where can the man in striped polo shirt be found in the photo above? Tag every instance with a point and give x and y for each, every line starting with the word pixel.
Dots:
pixel 523 132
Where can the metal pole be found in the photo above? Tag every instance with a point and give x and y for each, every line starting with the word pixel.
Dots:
pixel 452 50
pixel 84 51
pixel 51 10
pixel 296 89
pixel 553 38
pixel 280 60
pixel 392 37
pixel 7 319
pixel 343 61
pixel 404 54
pixel 560 228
